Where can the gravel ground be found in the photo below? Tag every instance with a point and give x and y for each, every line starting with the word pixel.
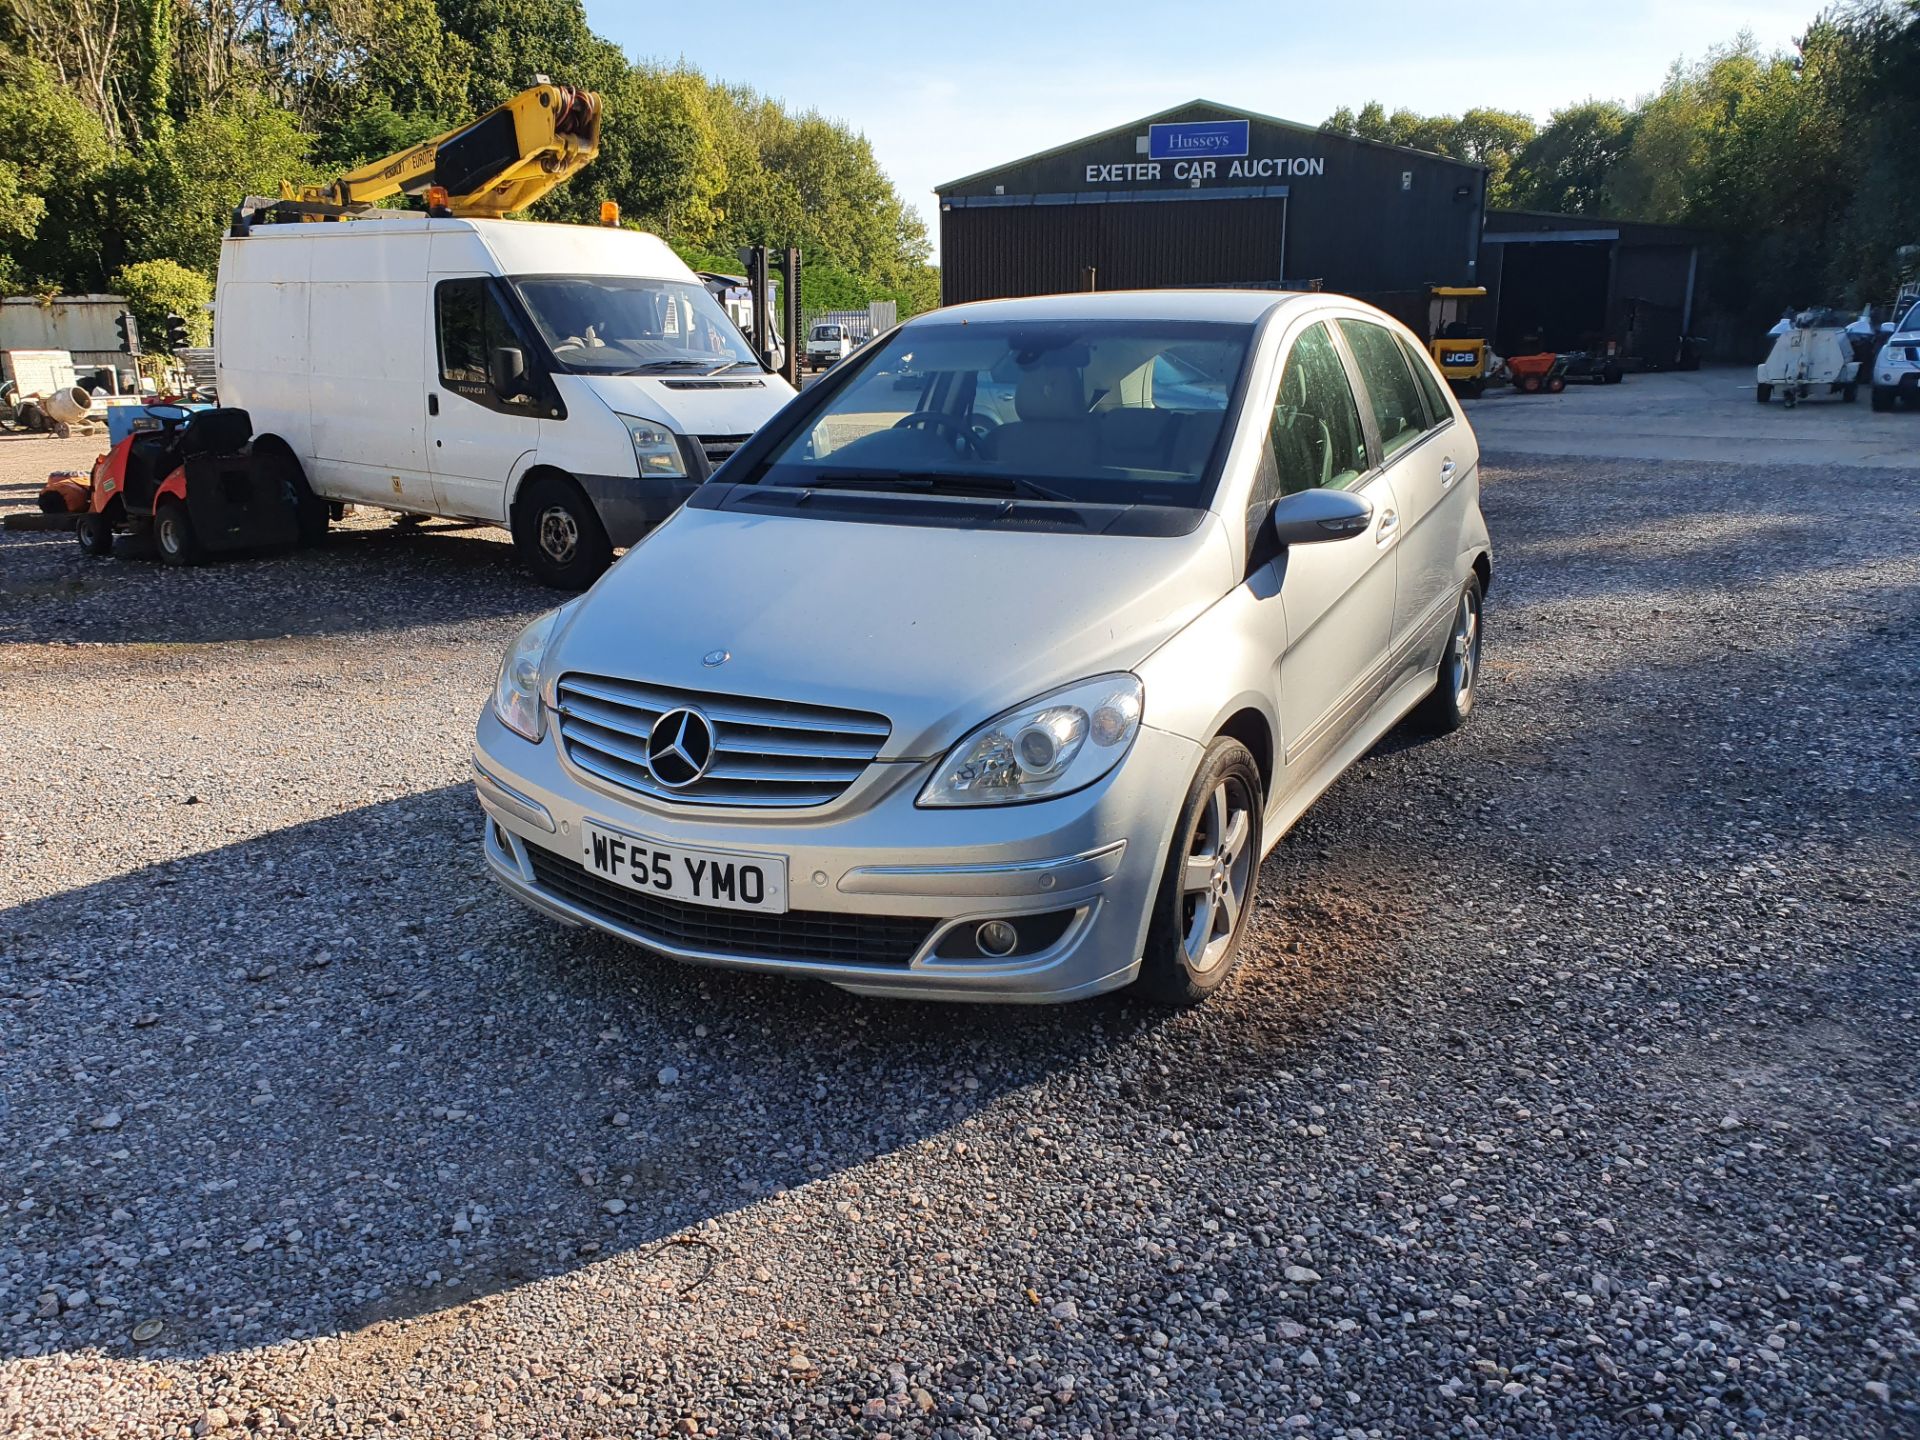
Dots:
pixel 1569 1090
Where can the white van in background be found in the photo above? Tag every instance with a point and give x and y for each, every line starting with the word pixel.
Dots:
pixel 570 382
pixel 828 344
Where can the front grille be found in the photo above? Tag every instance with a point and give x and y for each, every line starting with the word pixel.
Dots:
pixel 876 940
pixel 719 447
pixel 766 753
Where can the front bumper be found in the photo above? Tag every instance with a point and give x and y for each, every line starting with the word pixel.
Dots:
pixel 871 861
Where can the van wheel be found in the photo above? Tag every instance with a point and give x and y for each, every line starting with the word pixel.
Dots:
pixel 1763 392
pixel 173 534
pixel 309 510
pixel 559 534
pixel 1205 901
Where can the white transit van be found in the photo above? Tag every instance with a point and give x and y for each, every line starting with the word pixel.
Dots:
pixel 573 383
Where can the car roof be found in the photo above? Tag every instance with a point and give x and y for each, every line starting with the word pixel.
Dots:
pixel 1226 306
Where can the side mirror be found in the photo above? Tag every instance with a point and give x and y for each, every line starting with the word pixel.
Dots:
pixel 1309 516
pixel 1886 327
pixel 507 369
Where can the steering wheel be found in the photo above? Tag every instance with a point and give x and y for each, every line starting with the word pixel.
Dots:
pixel 169 422
pixel 940 420
pixel 982 425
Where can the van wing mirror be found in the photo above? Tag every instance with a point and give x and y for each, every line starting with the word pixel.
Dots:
pixel 1309 516
pixel 507 369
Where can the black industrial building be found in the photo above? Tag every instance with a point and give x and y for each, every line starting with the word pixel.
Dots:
pixel 1204 194
pixel 1574 282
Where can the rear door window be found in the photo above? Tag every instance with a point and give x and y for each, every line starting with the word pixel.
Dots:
pixel 1439 412
pixel 1399 409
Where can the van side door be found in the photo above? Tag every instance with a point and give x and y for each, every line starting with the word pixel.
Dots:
pixel 365 325
pixel 482 424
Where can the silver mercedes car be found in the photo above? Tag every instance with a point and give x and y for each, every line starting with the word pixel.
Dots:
pixel 994 664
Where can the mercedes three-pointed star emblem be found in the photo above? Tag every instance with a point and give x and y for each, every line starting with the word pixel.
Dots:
pixel 680 748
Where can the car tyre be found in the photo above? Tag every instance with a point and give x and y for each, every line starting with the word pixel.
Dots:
pixel 559 534
pixel 94 533
pixel 1849 392
pixel 1206 897
pixel 1763 393
pixel 173 534
pixel 1458 679
pixel 1882 397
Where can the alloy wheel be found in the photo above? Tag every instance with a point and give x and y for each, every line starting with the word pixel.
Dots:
pixel 1218 870
pixel 559 534
pixel 1464 653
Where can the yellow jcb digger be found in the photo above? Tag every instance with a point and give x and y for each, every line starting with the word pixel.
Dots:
pixel 1459 347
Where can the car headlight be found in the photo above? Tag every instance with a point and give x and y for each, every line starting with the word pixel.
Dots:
pixel 656 450
pixel 1061 742
pixel 516 694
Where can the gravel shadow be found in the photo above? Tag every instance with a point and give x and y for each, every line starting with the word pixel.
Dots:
pixel 370 576
pixel 279 1075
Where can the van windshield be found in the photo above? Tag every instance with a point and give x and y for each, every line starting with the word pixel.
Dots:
pixel 1109 412
pixel 630 325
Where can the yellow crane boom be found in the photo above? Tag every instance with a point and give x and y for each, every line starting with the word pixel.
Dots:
pixel 505 160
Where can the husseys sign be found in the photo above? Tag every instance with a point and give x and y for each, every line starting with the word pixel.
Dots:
pixel 1198 151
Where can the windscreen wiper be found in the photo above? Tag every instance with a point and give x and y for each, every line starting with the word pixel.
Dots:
pixel 937 482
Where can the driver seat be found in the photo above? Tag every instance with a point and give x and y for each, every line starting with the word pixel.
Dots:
pixel 1054 434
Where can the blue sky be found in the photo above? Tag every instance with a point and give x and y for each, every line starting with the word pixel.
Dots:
pixel 942 90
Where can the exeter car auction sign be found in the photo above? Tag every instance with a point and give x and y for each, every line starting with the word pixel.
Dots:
pixel 1198 152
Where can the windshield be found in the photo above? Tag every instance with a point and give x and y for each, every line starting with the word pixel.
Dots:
pixel 630 325
pixel 1095 412
pixel 826 332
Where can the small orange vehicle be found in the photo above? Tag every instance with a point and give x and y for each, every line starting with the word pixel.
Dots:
pixel 192 484
pixel 1533 373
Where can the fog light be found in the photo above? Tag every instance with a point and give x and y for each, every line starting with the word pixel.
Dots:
pixel 996 938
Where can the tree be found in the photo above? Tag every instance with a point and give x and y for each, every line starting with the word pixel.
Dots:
pixel 156 289
pixel 148 89
pixel 1495 139
pixel 176 196
pixel 50 140
pixel 1566 166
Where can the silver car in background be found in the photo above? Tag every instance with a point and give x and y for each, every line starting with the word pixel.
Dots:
pixel 992 666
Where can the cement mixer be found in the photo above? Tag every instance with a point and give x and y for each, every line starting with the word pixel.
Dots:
pixel 58 412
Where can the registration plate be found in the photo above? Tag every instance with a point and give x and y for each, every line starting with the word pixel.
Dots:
pixel 722 878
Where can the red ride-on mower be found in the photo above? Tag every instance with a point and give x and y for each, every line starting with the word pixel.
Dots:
pixel 194 485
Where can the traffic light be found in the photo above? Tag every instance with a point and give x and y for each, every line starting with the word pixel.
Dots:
pixel 129 333
pixel 177 334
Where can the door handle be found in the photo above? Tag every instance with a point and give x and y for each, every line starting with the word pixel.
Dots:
pixel 1389 524
pixel 1447 467
pixel 433 403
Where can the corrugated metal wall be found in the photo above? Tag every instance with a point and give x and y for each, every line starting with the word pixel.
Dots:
pixel 996 251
